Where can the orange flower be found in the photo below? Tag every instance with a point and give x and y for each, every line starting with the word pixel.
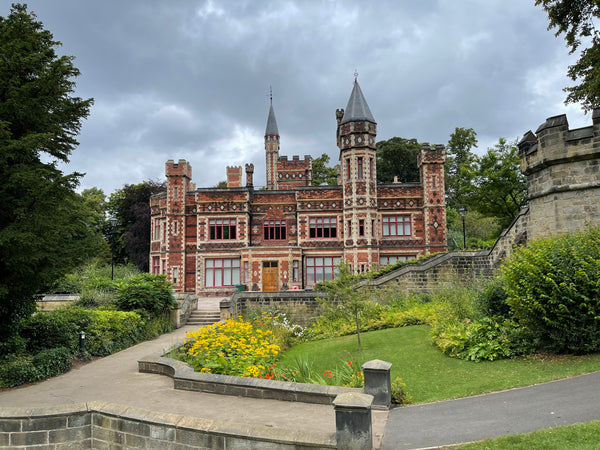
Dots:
pixel 349 363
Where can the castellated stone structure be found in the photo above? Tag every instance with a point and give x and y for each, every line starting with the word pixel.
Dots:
pixel 292 235
pixel 563 176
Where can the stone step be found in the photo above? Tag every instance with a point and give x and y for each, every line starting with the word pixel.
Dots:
pixel 204 317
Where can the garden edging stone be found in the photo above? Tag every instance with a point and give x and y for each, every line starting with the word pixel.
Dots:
pixel 185 378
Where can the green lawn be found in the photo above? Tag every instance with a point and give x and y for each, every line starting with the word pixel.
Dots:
pixel 574 437
pixel 431 376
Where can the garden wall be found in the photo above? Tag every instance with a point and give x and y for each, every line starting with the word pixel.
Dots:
pixel 437 271
pixel 50 302
pixel 186 303
pixel 302 305
pixel 99 425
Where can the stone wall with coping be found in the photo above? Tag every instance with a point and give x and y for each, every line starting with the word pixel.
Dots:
pixel 185 378
pixel 302 305
pixel 186 303
pixel 439 270
pixel 100 425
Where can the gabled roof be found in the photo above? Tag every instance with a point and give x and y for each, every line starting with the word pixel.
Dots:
pixel 272 129
pixel 357 108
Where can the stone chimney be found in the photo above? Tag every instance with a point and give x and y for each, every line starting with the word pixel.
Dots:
pixel 249 175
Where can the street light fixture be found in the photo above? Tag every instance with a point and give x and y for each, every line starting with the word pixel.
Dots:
pixel 463 212
pixel 113 229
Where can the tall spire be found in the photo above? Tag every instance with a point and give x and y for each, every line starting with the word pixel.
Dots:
pixel 272 129
pixel 357 108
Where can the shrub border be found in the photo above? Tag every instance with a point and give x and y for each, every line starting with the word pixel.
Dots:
pixel 186 379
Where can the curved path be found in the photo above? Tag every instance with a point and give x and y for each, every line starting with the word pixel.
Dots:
pixel 553 404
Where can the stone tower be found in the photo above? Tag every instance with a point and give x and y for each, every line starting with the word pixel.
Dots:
pixel 179 175
pixel 272 149
pixel 357 132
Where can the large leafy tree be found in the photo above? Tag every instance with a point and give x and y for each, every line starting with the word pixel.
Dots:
pixel 40 219
pixel 397 157
pixel 576 19
pixel 130 206
pixel 497 188
pixel 460 160
pixel 322 173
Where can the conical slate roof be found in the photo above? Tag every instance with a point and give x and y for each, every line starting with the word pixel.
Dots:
pixel 357 108
pixel 271 124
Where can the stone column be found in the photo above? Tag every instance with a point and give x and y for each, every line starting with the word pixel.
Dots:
pixel 378 383
pixel 353 428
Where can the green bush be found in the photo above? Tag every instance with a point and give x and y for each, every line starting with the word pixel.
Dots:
pixel 46 330
pixel 485 339
pixel 553 288
pixel 151 293
pixel 18 370
pixel 47 363
pixel 112 331
pixel 94 276
pixel 399 395
pixel 491 300
pixel 52 362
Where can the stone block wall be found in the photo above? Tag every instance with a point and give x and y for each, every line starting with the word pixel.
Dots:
pixel 562 167
pixel 302 305
pixel 99 425
pixel 438 271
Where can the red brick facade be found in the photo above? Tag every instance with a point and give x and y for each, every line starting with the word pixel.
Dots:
pixel 292 235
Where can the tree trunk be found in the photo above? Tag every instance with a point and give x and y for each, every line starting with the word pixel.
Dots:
pixel 357 331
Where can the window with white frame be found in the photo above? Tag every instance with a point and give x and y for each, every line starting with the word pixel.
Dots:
pixel 222 272
pixel 320 268
pixel 396 225
pixel 389 260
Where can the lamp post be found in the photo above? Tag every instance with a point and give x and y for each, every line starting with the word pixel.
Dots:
pixel 113 229
pixel 463 212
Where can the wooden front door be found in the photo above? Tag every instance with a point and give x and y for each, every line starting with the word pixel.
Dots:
pixel 270 274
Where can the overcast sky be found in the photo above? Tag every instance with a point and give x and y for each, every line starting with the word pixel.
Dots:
pixel 190 79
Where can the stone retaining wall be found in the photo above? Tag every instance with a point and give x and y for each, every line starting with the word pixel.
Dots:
pixel 437 271
pixel 302 305
pixel 186 303
pixel 100 425
pixel 185 378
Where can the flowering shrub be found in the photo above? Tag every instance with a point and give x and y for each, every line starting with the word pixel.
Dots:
pixel 236 347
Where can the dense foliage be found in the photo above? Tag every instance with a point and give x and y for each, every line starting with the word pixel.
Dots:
pixel 43 224
pixel 398 157
pixel 151 293
pixel 322 173
pixel 553 289
pixel 577 20
pixel 130 206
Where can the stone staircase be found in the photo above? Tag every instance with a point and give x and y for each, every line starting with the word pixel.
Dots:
pixel 201 318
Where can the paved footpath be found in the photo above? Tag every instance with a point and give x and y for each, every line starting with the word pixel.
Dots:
pixel 115 379
pixel 553 404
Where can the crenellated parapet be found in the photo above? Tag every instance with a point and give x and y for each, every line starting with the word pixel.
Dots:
pixel 234 176
pixel 562 167
pixel 431 155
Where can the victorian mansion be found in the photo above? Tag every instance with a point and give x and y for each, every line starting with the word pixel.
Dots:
pixel 292 235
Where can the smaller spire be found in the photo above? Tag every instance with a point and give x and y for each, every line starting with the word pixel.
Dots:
pixel 272 129
pixel 357 108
